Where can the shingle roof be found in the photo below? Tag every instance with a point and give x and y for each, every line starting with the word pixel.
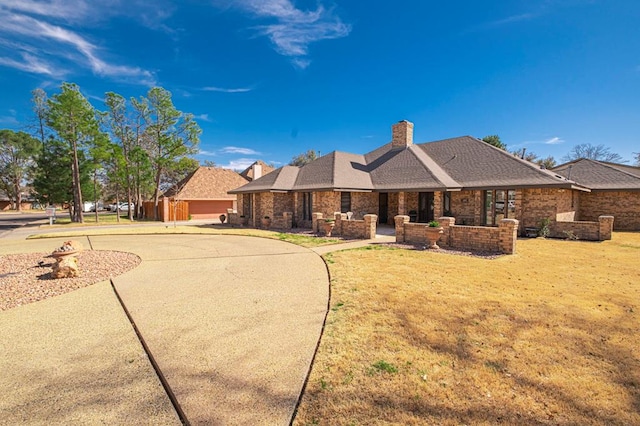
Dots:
pixel 207 183
pixel 450 164
pixel 600 175
pixel 476 164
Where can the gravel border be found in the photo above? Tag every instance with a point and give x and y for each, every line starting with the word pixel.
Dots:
pixel 26 278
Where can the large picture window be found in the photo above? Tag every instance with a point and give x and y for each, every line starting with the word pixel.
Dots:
pixel 499 204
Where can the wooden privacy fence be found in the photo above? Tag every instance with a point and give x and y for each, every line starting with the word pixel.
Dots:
pixel 168 210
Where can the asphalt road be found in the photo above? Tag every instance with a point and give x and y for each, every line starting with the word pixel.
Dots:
pixel 9 221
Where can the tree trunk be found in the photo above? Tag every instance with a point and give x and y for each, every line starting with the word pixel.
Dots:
pixel 95 193
pixel 156 195
pixel 18 197
pixel 77 190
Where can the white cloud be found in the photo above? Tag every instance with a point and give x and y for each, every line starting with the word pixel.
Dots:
pixel 221 89
pixel 32 64
pixel 203 117
pixel 294 29
pixel 554 141
pixel 207 153
pixel 239 164
pixel 238 150
pixel 512 19
pixel 39 42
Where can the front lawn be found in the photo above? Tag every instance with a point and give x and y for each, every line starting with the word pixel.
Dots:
pixel 547 336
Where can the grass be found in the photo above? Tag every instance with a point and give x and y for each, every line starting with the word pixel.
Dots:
pixel 547 336
pixel 299 239
pixel 90 220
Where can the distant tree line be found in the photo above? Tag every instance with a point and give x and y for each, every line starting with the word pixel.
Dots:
pixel 133 150
pixel 592 152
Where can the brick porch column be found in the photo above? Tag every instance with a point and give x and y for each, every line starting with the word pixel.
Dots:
pixel 400 220
pixel 288 220
pixel 370 221
pixel 446 223
pixel 508 229
pixel 315 218
pixel 402 206
pixel 606 227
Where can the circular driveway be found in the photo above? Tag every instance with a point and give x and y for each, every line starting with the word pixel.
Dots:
pixel 232 322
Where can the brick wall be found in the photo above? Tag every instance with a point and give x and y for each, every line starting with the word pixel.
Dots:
pixel 360 229
pixel 326 202
pixel 363 203
pixel 501 239
pixel 550 203
pixel 282 221
pixel 463 207
pixel 599 230
pixel 623 205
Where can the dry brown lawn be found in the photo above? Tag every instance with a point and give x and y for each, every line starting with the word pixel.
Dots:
pixel 547 336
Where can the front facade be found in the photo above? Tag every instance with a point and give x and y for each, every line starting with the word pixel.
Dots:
pixel 463 177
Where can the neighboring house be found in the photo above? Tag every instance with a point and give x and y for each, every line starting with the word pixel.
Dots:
pixel 204 191
pixel 462 177
pixel 615 191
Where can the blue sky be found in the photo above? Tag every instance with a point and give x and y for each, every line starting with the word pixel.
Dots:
pixel 268 79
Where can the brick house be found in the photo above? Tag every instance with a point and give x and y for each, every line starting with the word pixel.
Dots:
pixel 615 191
pixel 203 193
pixel 463 177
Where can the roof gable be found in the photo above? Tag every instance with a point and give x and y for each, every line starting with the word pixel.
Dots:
pixel 207 183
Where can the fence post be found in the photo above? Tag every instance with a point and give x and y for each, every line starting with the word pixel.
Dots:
pixel 446 223
pixel 605 228
pixel 400 220
pixel 508 229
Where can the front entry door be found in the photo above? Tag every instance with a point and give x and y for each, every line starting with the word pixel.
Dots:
pixel 383 207
pixel 425 207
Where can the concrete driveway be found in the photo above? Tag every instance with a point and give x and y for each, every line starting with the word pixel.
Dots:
pixel 232 323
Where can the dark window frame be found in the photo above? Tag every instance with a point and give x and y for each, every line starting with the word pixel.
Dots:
pixel 345 202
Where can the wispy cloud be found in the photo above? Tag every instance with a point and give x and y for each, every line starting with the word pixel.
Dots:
pixel 294 29
pixel 238 150
pixel 207 153
pixel 10 119
pixel 554 141
pixel 511 19
pixel 226 90
pixel 239 164
pixel 42 46
pixel 203 117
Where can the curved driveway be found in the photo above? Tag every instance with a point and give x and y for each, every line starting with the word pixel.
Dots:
pixel 232 322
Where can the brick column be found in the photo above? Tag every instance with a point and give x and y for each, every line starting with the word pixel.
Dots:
pixel 402 206
pixel 288 220
pixel 370 221
pixel 400 220
pixel 315 219
pixel 508 229
pixel 339 217
pixel 446 223
pixel 606 227
pixel 232 217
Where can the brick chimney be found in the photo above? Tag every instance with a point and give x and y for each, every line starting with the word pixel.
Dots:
pixel 257 171
pixel 402 133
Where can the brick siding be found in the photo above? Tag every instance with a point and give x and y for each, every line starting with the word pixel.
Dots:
pixel 623 205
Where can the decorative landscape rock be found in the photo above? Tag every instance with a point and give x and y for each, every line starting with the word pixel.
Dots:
pixel 66 265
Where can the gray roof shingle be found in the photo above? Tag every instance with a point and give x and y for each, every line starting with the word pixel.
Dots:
pixel 451 164
pixel 600 175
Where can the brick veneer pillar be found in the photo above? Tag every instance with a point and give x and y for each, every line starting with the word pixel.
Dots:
pixel 400 220
pixel 315 218
pixel 446 223
pixel 339 217
pixel 370 221
pixel 508 229
pixel 288 220
pixel 606 227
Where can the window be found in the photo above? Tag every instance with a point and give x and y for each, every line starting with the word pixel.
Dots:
pixel 345 202
pixel 499 204
pixel 446 204
pixel 307 205
pixel 246 205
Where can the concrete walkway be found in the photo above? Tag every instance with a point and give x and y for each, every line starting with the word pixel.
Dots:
pixel 232 322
